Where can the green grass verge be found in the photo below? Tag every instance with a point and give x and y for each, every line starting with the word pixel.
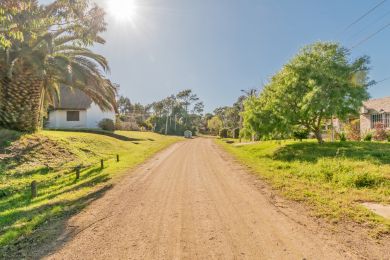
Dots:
pixel 49 157
pixel 332 179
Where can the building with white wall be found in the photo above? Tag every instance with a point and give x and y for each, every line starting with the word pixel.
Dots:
pixel 75 109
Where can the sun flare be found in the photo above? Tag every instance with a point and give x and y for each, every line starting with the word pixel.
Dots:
pixel 123 10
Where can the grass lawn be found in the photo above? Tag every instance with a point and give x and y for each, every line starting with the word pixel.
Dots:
pixel 332 179
pixel 49 157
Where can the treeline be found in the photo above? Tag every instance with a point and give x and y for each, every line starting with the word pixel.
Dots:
pixel 171 115
pixel 227 121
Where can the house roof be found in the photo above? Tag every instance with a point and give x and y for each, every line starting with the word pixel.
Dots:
pixel 72 98
pixel 378 104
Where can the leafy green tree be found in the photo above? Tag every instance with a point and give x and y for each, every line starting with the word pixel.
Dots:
pixel 187 97
pixel 177 113
pixel 215 124
pixel 49 49
pixel 317 84
pixel 198 108
pixel 124 106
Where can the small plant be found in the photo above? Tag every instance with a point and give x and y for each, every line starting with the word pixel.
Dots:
pixel 367 137
pixel 352 130
pixel 224 133
pixel 107 124
pixel 380 132
pixel 343 137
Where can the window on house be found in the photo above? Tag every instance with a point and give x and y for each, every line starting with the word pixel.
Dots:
pixel 387 120
pixel 72 115
pixel 383 118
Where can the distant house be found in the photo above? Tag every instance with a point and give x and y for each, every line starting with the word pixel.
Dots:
pixel 374 111
pixel 75 109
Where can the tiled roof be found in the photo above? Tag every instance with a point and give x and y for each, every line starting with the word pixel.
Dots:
pixel 72 98
pixel 378 104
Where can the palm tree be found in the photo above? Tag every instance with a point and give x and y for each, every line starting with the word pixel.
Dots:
pixel 52 51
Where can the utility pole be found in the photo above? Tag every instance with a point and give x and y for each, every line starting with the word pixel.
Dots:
pixel 241 109
pixel 166 125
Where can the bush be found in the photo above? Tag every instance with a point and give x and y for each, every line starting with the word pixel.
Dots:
pixel 342 137
pixel 245 133
pixel 107 124
pixel 380 132
pixel 368 137
pixel 236 133
pixel 126 126
pixel 301 134
pixel 352 130
pixel 224 133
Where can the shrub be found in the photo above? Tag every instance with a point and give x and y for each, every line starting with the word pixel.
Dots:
pixel 380 132
pixel 342 137
pixel 301 134
pixel 352 130
pixel 368 137
pixel 224 133
pixel 107 124
pixel 236 133
pixel 245 133
pixel 126 126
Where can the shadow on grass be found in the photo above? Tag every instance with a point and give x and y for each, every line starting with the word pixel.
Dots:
pixel 99 132
pixel 44 238
pixel 14 197
pixel 312 152
pixel 7 137
pixel 20 217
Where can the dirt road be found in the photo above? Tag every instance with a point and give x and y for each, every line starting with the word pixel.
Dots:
pixel 190 202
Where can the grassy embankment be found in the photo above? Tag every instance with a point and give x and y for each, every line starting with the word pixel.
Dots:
pixel 332 179
pixel 49 157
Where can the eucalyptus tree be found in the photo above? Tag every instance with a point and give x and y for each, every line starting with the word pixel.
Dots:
pixel 51 48
pixel 198 108
pixel 169 105
pixel 124 106
pixel 187 97
pixel 176 113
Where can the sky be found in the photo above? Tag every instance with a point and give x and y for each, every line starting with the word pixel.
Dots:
pixel 219 47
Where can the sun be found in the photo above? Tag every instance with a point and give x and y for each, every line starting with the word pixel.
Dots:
pixel 123 10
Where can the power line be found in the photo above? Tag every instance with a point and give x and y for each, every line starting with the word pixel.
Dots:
pixel 367 27
pixel 370 36
pixel 380 81
pixel 364 15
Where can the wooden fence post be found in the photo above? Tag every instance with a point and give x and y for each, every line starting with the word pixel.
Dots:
pixel 101 164
pixel 33 189
pixel 117 157
pixel 78 172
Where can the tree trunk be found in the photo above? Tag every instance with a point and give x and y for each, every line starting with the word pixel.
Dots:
pixel 20 101
pixel 166 126
pixel 318 135
pixel 333 135
pixel 175 123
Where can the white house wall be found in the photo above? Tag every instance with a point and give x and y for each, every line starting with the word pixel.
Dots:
pixel 57 119
pixel 89 118
pixel 95 115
